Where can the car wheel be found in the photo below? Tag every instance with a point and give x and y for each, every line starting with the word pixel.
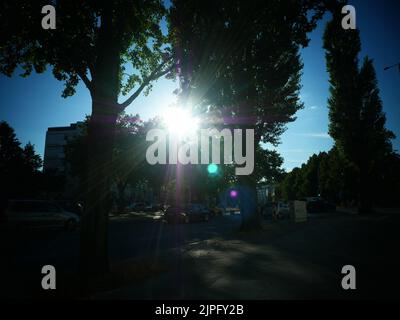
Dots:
pixel 71 225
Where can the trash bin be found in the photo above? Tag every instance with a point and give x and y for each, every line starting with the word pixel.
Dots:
pixel 300 211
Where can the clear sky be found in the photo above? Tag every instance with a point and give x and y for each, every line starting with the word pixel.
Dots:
pixel 31 105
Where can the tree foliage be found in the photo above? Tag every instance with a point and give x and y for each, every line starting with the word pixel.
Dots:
pixel 331 176
pixel 240 61
pixel 357 122
pixel 19 166
pixel 86 32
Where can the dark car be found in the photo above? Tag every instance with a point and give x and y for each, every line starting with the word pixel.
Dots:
pixel 198 212
pixel 176 215
pixel 154 208
pixel 36 213
pixel 71 206
pixel 136 207
pixel 186 214
pixel 268 210
pixel 319 205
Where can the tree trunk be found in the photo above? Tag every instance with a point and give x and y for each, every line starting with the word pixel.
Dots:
pixel 121 188
pixel 251 219
pixel 101 131
pixel 94 227
pixel 364 192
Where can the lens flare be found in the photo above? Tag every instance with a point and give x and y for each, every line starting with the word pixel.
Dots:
pixel 233 193
pixel 212 168
pixel 180 121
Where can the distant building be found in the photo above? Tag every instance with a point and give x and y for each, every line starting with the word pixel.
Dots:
pixel 265 193
pixel 54 153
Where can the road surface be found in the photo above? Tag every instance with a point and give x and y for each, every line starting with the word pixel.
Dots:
pixel 213 260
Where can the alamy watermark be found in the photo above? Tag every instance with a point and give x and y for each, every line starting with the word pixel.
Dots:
pixel 349 280
pixel 49 280
pixel 195 149
pixel 49 20
pixel 349 20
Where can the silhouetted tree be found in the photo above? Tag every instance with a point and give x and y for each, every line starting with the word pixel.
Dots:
pixel 10 161
pixel 242 59
pixel 19 167
pixel 357 122
pixel 337 178
pixel 268 166
pixel 288 187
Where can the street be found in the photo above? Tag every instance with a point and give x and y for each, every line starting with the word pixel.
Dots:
pixel 214 260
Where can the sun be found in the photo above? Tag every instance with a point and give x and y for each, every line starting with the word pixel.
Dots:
pixel 180 121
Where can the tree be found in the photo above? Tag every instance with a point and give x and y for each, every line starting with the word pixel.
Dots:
pixel 336 177
pixel 288 186
pixel 376 138
pixel 129 166
pixel 10 161
pixel 357 123
pixel 268 166
pixel 242 60
pixel 31 159
pixel 95 42
pixel 388 180
pixel 19 167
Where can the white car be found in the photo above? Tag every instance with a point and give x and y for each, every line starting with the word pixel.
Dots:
pixel 36 213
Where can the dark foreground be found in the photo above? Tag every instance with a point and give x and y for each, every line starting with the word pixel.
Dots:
pixel 213 260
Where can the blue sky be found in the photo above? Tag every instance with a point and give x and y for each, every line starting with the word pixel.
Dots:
pixel 33 104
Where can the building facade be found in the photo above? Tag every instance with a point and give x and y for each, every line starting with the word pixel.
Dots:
pixel 265 193
pixel 54 153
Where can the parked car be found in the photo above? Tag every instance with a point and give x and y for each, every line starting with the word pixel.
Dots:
pixel 198 212
pixel 149 208
pixel 136 207
pixel 282 210
pixel 175 215
pixel 188 213
pixel 154 208
pixel 37 213
pixel 71 206
pixel 318 205
pixel 268 209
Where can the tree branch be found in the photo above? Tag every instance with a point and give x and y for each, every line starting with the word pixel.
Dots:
pixel 86 81
pixel 157 73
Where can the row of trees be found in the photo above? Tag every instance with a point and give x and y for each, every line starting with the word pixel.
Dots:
pixel 362 167
pixel 332 177
pixel 130 170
